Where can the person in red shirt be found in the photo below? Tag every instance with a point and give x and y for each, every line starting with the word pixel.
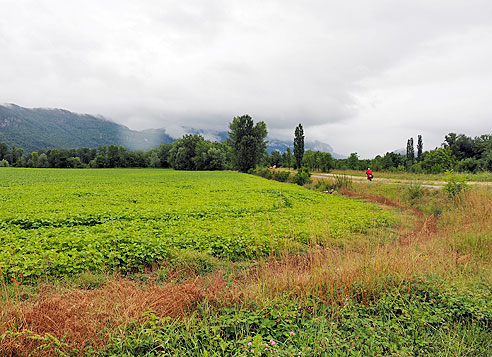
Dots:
pixel 369 174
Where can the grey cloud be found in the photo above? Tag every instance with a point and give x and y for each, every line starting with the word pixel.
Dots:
pixel 346 70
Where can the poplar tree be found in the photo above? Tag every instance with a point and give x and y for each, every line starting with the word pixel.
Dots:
pixel 410 151
pixel 420 147
pixel 299 146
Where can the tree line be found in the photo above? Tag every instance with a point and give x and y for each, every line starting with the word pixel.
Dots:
pixel 460 153
pixel 245 149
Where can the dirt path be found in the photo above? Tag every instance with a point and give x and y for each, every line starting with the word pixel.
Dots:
pixel 432 184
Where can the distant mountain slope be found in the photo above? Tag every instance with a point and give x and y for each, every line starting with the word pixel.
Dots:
pixel 40 128
pixel 273 144
pixel 35 129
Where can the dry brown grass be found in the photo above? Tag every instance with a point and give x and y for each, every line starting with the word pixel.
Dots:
pixel 470 212
pixel 370 197
pixel 90 317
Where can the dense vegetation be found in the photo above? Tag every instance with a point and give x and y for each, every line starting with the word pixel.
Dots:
pixel 458 152
pixel 56 223
pixel 243 150
pixel 192 152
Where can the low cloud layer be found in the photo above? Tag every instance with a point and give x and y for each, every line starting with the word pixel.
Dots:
pixel 361 76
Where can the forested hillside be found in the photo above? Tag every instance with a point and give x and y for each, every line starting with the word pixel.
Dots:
pixel 43 129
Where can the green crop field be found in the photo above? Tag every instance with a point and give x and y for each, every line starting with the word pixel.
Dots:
pixel 159 262
pixel 62 222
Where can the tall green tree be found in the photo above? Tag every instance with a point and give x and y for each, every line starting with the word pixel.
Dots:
pixel 113 156
pixel 153 159
pixel 276 158
pixel 43 160
pixel 410 151
pixel 420 148
pixel 299 145
pixel 483 145
pixel 183 152
pixel 209 156
pixel 4 150
pixel 438 160
pixel 248 141
pixel 287 158
pixel 164 155
pixel 34 159
pixel 353 161
pixel 392 160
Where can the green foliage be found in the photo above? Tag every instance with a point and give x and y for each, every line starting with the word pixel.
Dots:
pixel 391 161
pixel 89 280
pixel 414 193
pixel 4 150
pixel 281 176
pixel 4 163
pixel 302 177
pixel 487 161
pixel 342 181
pixel 65 222
pixel 288 159
pixel 248 141
pixel 183 152
pixel 420 148
pixel 43 161
pixel 353 161
pixel 438 161
pixel 410 152
pixel 461 146
pixel 298 146
pixel 421 317
pixel 74 162
pixel 277 175
pixel 416 168
pixel 456 184
pixel 276 158
pixel 470 165
pixel 192 260
pixel 262 172
pixel 42 129
pixel 154 160
pixel 317 160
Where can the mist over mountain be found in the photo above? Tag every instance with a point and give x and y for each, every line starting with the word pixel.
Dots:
pixel 273 144
pixel 41 128
pixel 36 129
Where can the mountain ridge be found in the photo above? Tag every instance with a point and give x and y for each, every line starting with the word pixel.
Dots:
pixel 36 129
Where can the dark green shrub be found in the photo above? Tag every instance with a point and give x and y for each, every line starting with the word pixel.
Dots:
pixel 468 165
pixel 302 177
pixel 281 176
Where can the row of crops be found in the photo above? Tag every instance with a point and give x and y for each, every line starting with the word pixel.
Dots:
pixel 61 222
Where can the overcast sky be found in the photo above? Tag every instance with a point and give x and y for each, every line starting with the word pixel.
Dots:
pixel 363 76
